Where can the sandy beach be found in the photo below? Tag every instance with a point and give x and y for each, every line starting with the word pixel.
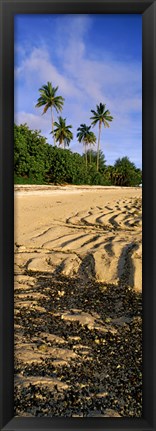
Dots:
pixel 78 283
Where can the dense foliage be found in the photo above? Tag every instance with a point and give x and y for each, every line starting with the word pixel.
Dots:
pixel 37 162
pixel 31 154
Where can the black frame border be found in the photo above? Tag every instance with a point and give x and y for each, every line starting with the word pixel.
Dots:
pixel 8 9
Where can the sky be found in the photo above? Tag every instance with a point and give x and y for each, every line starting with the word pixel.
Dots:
pixel 92 59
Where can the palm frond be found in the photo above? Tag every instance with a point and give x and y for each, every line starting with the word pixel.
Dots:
pixel 62 132
pixel 45 109
pixel 101 115
pixel 48 97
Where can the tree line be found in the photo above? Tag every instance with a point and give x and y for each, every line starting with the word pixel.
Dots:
pixel 37 162
pixel 61 132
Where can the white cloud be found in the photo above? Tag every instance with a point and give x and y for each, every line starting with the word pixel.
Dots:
pixel 38 68
pixel 34 121
pixel 84 81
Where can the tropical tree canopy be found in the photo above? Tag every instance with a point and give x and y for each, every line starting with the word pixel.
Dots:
pixel 62 133
pixel 37 162
pixel 48 99
pixel 102 160
pixel 125 173
pixel 100 116
pixel 31 154
pixel 86 136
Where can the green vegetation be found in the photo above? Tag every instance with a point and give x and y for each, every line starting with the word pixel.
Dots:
pixel 87 137
pixel 37 162
pixel 100 116
pixel 48 99
pixel 62 133
pixel 31 155
pixel 125 173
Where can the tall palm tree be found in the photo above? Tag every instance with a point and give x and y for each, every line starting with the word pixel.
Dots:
pixel 62 133
pixel 86 136
pixel 91 142
pixel 100 116
pixel 48 99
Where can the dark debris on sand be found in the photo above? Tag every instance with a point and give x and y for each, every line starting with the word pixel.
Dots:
pixel 109 376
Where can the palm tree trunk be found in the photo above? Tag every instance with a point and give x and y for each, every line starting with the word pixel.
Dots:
pixel 98 147
pixel 86 154
pixel 90 155
pixel 52 120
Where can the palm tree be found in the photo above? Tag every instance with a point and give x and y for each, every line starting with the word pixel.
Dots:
pixel 62 133
pixel 102 117
pixel 91 141
pixel 48 99
pixel 85 136
pixel 109 173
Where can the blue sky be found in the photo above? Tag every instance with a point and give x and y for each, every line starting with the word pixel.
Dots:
pixel 92 59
